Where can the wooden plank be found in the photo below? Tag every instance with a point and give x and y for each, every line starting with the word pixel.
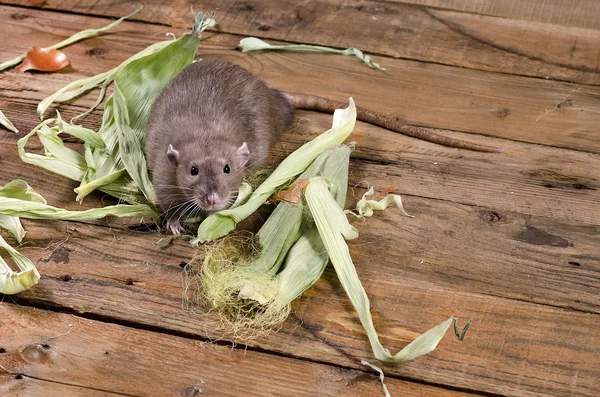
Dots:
pixel 122 275
pixel 512 107
pixel 582 13
pixel 439 34
pixel 95 358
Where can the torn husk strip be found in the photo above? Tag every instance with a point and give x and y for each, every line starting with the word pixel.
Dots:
pixel 73 39
pixel 333 229
pixel 33 210
pixel 223 222
pixel 12 282
pixel 17 189
pixel 255 44
pixel 6 123
pixel 71 165
pixel 365 206
pixel 381 376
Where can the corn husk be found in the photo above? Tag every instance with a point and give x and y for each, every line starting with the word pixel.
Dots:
pixel 73 39
pixel 366 206
pixel 12 282
pixel 17 189
pixel 334 229
pixel 19 200
pixel 102 81
pixel 255 44
pixel 223 222
pixel 6 123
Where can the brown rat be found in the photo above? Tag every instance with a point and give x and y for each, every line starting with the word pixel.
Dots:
pixel 215 120
pixel 211 122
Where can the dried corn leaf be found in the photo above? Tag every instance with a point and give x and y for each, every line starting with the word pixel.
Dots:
pixel 333 229
pixel 366 206
pixel 12 282
pixel 255 44
pixel 34 210
pixel 5 122
pixel 21 190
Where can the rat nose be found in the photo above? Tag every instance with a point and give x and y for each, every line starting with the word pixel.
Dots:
pixel 213 199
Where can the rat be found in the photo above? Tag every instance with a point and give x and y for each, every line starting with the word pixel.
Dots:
pixel 215 120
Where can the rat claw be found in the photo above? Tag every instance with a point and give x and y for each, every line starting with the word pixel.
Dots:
pixel 175 227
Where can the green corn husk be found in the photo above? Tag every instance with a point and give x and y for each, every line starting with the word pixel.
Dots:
pixel 223 222
pixel 6 123
pixel 102 80
pixel 33 210
pixel 12 282
pixel 17 189
pixel 73 39
pixel 333 229
pixel 255 44
pixel 251 285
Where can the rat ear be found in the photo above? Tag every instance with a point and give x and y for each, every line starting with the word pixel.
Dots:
pixel 173 155
pixel 243 153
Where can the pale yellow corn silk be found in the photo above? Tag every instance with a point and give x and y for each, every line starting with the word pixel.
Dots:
pixel 250 282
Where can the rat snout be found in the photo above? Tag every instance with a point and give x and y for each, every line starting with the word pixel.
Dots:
pixel 213 199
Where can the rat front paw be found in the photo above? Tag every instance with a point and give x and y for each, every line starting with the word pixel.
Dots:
pixel 175 227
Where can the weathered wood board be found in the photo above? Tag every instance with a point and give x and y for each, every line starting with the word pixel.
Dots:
pixel 511 240
pixel 479 35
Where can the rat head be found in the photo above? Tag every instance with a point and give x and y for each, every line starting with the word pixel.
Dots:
pixel 209 180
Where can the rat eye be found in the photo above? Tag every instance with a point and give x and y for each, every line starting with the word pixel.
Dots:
pixel 194 171
pixel 226 169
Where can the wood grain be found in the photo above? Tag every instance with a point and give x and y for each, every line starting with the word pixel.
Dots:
pixel 510 107
pixel 451 33
pixel 85 357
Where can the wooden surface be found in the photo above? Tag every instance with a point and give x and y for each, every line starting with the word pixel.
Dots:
pixel 511 240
